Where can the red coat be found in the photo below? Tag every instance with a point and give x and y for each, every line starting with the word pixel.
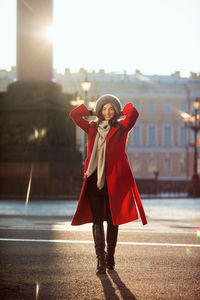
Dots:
pixel 122 190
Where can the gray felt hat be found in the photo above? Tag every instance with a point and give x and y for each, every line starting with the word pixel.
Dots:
pixel 108 98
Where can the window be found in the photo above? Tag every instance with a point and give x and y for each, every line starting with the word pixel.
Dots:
pixel 152 165
pixel 151 134
pixel 136 166
pixel 167 134
pixel 191 136
pixel 198 165
pixel 167 107
pixel 136 134
pixel 137 105
pixel 167 166
pixel 152 107
pixel 182 135
pixel 183 106
pixel 182 165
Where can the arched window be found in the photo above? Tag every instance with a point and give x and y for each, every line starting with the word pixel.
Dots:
pixel 136 134
pixel 167 166
pixel 182 166
pixel 152 107
pixel 151 165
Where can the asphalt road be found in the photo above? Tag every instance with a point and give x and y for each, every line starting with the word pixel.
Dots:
pixel 46 258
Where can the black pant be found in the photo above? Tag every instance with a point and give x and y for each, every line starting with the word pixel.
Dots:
pixel 96 200
pixel 97 208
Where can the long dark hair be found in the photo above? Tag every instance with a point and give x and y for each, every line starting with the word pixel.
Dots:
pixel 112 122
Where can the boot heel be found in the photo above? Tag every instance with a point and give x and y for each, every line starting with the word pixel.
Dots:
pixel 110 262
pixel 101 264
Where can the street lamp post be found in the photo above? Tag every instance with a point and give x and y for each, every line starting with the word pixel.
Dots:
pixel 192 121
pixel 156 174
pixel 196 128
pixel 86 85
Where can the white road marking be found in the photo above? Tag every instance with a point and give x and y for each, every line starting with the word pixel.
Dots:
pixel 55 227
pixel 91 242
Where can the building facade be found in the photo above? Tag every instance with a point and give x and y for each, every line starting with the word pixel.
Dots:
pixel 159 142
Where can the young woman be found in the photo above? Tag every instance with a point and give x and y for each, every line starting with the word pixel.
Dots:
pixel 109 192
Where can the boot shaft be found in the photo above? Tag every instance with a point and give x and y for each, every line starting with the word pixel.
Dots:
pixel 99 244
pixel 99 238
pixel 111 238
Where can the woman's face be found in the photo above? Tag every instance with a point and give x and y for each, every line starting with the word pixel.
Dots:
pixel 108 111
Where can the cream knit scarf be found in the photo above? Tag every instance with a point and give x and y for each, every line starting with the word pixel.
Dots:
pixel 98 156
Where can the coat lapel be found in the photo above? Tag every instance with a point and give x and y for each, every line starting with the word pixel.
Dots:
pixel 112 131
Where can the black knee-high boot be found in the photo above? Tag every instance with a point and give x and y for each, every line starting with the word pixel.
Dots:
pixel 112 233
pixel 99 243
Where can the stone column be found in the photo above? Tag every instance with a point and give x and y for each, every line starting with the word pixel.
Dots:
pixel 34 48
pixel 37 135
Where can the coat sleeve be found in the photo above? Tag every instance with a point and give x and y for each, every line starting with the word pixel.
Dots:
pixel 131 114
pixel 78 114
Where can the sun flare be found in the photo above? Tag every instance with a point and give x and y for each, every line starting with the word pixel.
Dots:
pixel 50 33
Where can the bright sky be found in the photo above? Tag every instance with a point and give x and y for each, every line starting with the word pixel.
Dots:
pixel 154 36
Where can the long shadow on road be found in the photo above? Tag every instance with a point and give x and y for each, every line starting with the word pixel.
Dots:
pixel 110 291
